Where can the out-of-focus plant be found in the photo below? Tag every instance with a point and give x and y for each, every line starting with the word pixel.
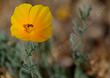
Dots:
pixel 63 13
pixel 76 39
pixel 10 59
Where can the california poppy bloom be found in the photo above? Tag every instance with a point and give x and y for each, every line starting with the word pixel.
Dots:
pixel 31 23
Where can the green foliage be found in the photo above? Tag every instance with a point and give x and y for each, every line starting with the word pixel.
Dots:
pixel 79 73
pixel 9 58
pixel 58 72
pixel 85 12
pixel 76 39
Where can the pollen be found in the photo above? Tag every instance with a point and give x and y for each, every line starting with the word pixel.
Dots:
pixel 28 27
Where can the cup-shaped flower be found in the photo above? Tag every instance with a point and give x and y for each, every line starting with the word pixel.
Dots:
pixel 31 23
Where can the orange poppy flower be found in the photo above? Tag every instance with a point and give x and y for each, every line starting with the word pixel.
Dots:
pixel 31 23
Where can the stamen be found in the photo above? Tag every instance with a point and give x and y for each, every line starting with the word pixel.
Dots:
pixel 28 27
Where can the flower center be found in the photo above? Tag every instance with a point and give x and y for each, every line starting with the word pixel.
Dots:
pixel 28 27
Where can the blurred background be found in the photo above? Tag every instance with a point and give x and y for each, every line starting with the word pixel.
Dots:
pixel 96 38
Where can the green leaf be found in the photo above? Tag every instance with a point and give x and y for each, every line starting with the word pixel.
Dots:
pixel 79 73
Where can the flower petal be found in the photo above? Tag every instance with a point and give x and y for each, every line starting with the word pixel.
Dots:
pixel 42 35
pixel 43 14
pixel 19 32
pixel 21 14
pixel 34 12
